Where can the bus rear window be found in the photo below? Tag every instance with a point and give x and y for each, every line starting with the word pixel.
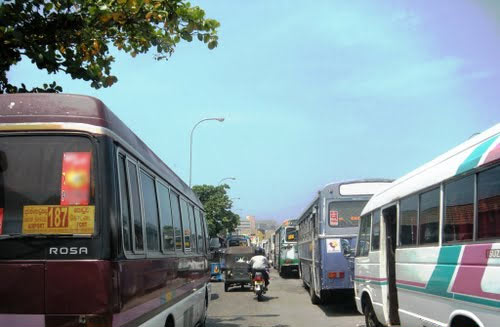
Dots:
pixel 345 213
pixel 291 234
pixel 46 185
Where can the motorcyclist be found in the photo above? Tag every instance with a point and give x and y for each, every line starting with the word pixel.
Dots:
pixel 259 263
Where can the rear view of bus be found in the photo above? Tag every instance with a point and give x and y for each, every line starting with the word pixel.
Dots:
pixel 76 249
pixel 327 236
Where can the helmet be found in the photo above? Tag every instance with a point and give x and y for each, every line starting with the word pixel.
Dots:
pixel 259 251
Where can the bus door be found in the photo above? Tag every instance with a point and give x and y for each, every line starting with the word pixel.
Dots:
pixel 390 220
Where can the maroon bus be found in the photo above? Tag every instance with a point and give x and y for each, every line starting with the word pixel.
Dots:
pixel 95 230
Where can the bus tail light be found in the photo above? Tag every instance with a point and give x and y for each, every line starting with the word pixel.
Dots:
pixel 336 274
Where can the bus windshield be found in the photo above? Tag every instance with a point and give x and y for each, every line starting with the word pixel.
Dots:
pixel 46 186
pixel 291 234
pixel 344 213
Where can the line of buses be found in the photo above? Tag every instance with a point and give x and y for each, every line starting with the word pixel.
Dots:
pixel 420 251
pixel 96 231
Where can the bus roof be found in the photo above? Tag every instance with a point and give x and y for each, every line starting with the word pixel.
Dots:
pixel 334 190
pixel 44 111
pixel 479 150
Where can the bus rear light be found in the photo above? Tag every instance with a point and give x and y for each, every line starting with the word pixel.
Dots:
pixel 336 274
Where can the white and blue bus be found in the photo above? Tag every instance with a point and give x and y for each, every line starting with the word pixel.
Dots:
pixel 428 249
pixel 327 234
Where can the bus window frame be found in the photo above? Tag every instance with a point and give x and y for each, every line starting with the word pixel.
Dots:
pixel 474 173
pixel 370 216
pixel 417 241
pixel 164 184
pixel 134 254
pixel 150 254
pixel 128 158
pixel 137 253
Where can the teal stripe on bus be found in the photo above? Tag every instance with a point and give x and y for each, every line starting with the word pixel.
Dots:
pixel 473 158
pixel 371 282
pixel 443 272
pixel 441 278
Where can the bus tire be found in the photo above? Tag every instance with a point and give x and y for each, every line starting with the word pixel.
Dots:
pixel 314 298
pixel 226 287
pixel 370 316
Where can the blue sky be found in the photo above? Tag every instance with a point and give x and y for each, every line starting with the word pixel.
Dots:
pixel 312 92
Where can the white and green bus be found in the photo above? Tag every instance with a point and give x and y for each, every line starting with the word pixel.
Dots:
pixel 428 250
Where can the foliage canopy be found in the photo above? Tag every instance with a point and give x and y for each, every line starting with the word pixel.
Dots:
pixel 217 206
pixel 75 36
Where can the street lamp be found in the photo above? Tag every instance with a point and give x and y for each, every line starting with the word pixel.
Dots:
pixel 226 178
pixel 234 199
pixel 191 145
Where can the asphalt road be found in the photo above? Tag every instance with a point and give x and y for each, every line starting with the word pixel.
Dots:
pixel 287 304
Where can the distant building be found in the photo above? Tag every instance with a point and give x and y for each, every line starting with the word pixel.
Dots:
pixel 250 226
pixel 245 226
pixel 266 224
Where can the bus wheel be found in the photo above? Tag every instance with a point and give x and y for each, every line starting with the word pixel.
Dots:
pixel 314 298
pixel 226 287
pixel 370 316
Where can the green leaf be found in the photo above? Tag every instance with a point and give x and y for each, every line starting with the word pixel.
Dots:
pixel 212 45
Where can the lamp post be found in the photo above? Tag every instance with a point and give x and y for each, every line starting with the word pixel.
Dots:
pixel 191 145
pixel 226 178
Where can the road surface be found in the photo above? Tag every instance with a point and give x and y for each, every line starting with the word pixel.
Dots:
pixel 287 304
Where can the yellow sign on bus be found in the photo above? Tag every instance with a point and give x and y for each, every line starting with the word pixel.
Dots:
pixel 57 219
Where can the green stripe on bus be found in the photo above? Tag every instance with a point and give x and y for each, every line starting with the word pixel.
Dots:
pixel 473 158
pixel 371 282
pixel 443 272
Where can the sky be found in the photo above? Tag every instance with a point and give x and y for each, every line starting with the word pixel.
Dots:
pixel 311 93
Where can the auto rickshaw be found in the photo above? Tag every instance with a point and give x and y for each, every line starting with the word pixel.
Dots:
pixel 235 266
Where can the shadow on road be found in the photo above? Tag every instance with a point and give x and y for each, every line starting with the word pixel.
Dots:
pixel 290 275
pixel 236 321
pixel 239 289
pixel 269 298
pixel 214 296
pixel 343 306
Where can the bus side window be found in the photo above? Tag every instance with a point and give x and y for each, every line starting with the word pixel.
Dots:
pixel 363 247
pixel 192 223
pixel 459 210
pixel 125 203
pixel 488 196
pixel 150 212
pixel 199 231
pixel 185 225
pixel 205 229
pixel 136 208
pixel 176 215
pixel 408 221
pixel 376 230
pixel 166 221
pixel 428 220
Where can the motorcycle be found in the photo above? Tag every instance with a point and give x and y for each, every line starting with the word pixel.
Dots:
pixel 259 285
